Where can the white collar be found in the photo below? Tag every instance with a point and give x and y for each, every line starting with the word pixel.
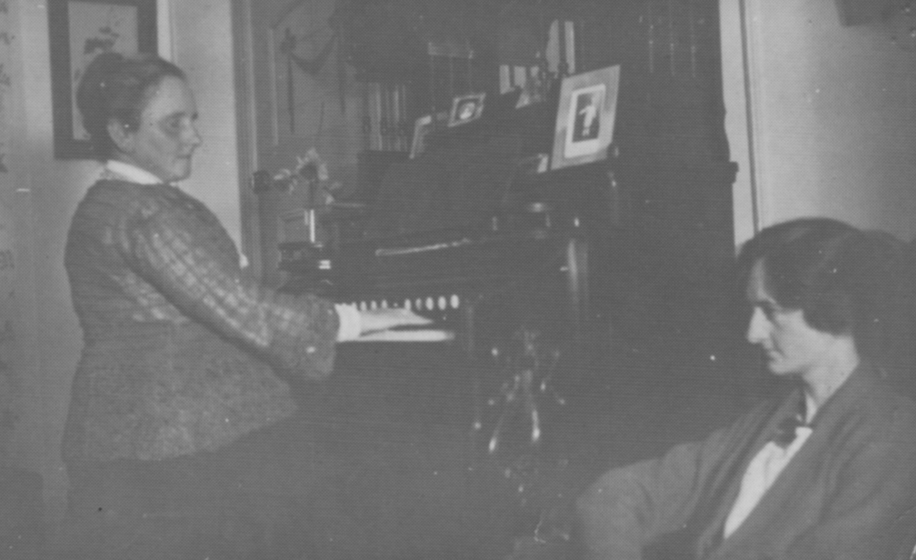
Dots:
pixel 132 172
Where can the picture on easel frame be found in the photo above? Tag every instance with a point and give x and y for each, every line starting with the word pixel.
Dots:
pixel 466 108
pixel 585 117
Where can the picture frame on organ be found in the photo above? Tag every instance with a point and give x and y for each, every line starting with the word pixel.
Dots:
pixel 423 127
pixel 585 117
pixel 421 130
pixel 466 108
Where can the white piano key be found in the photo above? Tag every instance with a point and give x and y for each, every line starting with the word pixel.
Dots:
pixel 442 303
pixel 421 335
pixel 455 301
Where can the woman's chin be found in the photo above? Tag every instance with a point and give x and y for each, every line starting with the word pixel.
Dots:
pixel 783 371
pixel 776 367
pixel 181 171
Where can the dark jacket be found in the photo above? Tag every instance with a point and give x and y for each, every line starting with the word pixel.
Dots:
pixel 838 498
pixel 183 351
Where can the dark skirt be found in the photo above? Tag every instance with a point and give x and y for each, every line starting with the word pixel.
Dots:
pixel 246 500
pixel 376 464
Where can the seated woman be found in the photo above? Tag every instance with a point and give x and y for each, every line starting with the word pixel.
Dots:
pixel 179 441
pixel 825 471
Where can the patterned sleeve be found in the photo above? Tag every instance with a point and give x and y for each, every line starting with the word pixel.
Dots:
pixel 630 507
pixel 181 249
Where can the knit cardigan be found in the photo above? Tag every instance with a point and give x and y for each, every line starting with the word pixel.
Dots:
pixel 183 351
pixel 839 498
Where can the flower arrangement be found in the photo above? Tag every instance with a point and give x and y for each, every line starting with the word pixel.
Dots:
pixel 311 191
pixel 311 176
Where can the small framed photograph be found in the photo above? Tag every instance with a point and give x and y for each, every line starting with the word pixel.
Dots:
pixel 421 131
pixel 466 108
pixel 585 117
pixel 79 31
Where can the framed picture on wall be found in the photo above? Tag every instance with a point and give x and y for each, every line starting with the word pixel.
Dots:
pixel 79 31
pixel 302 76
pixel 585 117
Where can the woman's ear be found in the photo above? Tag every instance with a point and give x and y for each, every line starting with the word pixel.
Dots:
pixel 121 134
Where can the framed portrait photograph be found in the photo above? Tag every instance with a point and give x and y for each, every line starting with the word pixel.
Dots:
pixel 466 108
pixel 585 117
pixel 80 30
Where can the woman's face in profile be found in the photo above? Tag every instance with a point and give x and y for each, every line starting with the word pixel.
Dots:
pixel 791 346
pixel 166 138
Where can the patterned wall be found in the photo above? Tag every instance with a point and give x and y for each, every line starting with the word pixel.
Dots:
pixel 9 380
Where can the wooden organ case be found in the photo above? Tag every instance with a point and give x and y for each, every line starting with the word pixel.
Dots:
pixel 479 283
pixel 659 207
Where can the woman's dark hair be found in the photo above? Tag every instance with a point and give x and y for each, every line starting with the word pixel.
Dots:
pixel 844 280
pixel 115 86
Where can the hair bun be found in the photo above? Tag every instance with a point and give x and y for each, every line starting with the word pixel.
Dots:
pixel 99 69
pixel 94 90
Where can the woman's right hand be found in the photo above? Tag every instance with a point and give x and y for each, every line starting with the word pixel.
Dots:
pixel 376 320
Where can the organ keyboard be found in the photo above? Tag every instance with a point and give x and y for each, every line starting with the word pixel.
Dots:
pixel 455 277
